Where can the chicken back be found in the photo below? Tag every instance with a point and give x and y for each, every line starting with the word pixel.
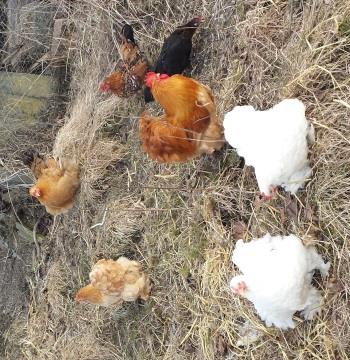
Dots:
pixel 276 277
pixel 274 141
pixel 112 282
pixel 189 126
pixel 56 185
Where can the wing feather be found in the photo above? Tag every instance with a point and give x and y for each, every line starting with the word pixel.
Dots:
pixel 165 142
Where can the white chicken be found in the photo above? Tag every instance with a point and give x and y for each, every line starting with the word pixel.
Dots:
pixel 274 141
pixel 277 273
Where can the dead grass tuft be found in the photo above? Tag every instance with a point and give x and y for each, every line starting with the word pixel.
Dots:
pixel 182 221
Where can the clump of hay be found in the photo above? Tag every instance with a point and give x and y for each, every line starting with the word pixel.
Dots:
pixel 187 217
pixel 80 138
pixel 46 327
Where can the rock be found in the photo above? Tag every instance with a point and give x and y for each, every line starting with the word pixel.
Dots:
pixel 22 108
pixel 23 99
pixel 29 85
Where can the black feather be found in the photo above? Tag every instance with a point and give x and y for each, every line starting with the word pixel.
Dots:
pixel 175 54
pixel 128 33
pixel 29 156
pixel 148 95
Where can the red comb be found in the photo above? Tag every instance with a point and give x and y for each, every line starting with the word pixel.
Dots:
pixel 148 78
pixel 150 74
pixel 104 87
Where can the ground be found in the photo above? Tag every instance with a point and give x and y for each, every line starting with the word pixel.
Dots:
pixel 181 221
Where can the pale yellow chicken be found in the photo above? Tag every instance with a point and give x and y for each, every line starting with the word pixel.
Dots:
pixel 112 282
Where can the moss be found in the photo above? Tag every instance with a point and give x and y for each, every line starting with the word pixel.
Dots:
pixel 185 271
pixel 33 86
pixel 24 98
pixel 23 108
pixel 344 27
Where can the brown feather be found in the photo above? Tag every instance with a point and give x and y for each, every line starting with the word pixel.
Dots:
pixel 165 142
pixel 131 70
pixel 112 282
pixel 189 127
pixel 57 186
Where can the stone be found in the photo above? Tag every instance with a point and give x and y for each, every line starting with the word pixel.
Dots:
pixel 24 98
pixel 29 85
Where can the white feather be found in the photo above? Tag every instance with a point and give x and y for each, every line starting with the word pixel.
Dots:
pixel 277 272
pixel 274 141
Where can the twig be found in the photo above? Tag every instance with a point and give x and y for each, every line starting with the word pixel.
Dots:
pixel 103 220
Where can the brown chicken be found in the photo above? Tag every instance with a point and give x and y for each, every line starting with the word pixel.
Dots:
pixel 112 282
pixel 189 126
pixel 56 186
pixel 131 69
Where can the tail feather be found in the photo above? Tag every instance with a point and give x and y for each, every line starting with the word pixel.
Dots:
pixel 128 33
pixel 35 162
pixel 145 291
pixel 205 98
pixel 164 142
pixel 148 95
pixel 71 168
pixel 213 137
pixel 29 156
pixel 190 27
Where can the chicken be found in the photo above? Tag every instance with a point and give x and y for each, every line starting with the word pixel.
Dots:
pixel 277 273
pixel 175 54
pixel 189 126
pixel 56 186
pixel 113 282
pixel 274 142
pixel 131 69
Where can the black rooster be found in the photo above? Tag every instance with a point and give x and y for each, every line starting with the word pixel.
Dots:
pixel 175 54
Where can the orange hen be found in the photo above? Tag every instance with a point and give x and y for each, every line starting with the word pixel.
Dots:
pixel 56 186
pixel 189 126
pixel 112 282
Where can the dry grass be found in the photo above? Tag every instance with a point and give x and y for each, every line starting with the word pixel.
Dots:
pixel 181 221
